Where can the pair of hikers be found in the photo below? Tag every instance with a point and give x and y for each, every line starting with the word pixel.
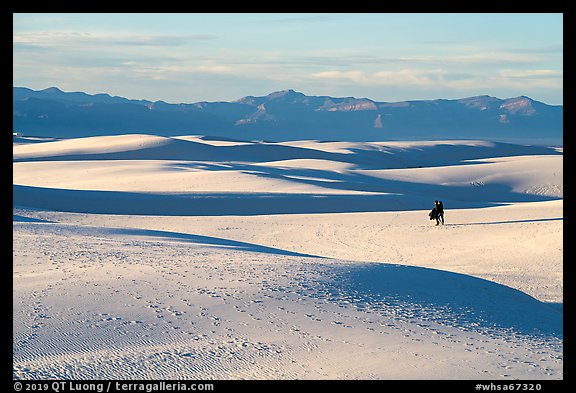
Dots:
pixel 438 212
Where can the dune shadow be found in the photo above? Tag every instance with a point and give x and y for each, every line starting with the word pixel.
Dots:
pixel 205 240
pixel 151 234
pixel 447 298
pixel 215 204
pixel 19 218
pixel 443 154
pixel 185 150
pixel 351 181
pixel 369 157
pixel 343 188
pixel 385 196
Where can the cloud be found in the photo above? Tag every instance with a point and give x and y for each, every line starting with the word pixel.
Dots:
pixel 531 74
pixel 419 77
pixel 348 58
pixel 558 49
pixel 497 58
pixel 351 76
pixel 179 71
pixel 105 40
pixel 440 78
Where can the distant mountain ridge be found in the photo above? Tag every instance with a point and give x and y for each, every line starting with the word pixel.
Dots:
pixel 286 115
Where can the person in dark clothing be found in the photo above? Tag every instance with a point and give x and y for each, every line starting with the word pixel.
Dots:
pixel 433 214
pixel 439 207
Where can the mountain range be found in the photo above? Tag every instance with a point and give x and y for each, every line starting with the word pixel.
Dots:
pixel 287 115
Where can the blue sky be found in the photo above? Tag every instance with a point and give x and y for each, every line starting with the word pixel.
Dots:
pixel 223 57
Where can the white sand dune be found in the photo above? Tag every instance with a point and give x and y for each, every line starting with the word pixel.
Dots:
pixel 146 257
pixel 91 145
pixel 157 176
pixel 540 175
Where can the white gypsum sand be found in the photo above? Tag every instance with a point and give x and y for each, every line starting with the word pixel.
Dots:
pixel 146 257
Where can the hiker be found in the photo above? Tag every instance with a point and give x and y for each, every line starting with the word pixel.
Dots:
pixel 433 214
pixel 439 212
